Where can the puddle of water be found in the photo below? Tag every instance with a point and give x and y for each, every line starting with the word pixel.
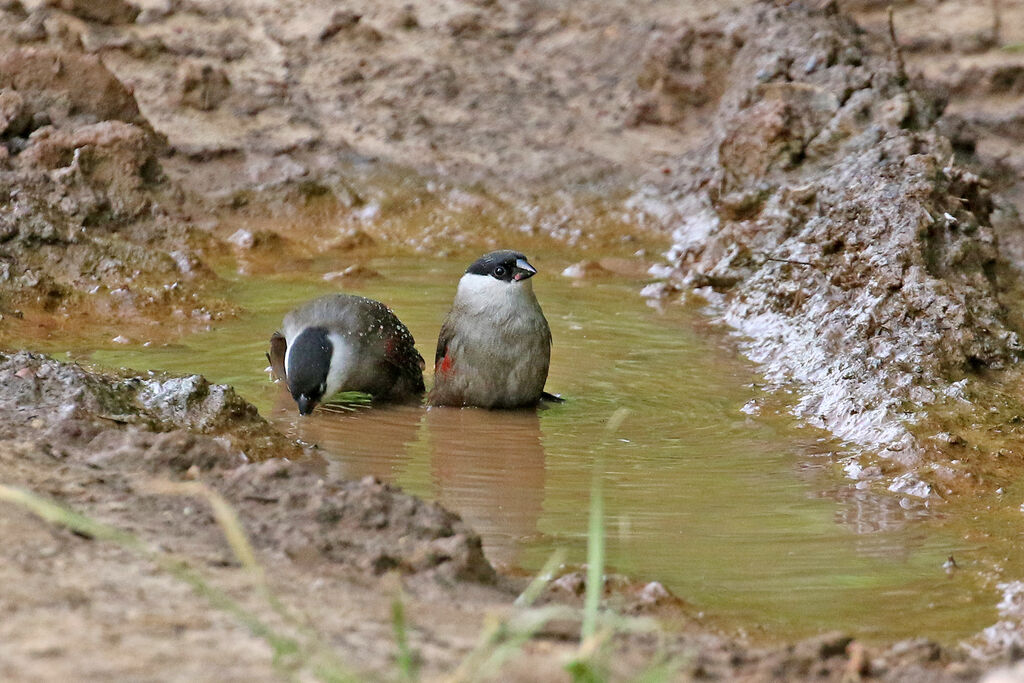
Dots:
pixel 721 507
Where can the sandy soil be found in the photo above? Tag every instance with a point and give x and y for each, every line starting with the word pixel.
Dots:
pixel 137 140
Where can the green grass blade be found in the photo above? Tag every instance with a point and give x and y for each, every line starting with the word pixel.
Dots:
pixel 406 660
pixel 596 532
pixel 595 554
pixel 541 580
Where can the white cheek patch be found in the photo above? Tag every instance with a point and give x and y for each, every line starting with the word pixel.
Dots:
pixel 341 364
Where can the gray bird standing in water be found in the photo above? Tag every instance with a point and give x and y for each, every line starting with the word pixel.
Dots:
pixel 495 344
pixel 342 342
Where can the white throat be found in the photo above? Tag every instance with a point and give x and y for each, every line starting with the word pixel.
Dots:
pixel 496 299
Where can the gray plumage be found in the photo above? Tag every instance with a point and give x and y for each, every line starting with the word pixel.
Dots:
pixel 495 344
pixel 343 342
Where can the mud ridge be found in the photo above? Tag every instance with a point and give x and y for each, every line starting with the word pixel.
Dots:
pixel 828 223
pixel 86 231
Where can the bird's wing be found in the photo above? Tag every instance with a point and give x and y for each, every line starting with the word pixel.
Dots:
pixel 400 350
pixel 278 347
pixel 443 339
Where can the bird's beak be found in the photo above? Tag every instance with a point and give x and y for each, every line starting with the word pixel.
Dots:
pixel 523 270
pixel 306 404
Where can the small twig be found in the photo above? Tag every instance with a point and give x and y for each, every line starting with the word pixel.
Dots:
pixel 896 46
pixel 117 419
pixel 339 408
pixel 791 261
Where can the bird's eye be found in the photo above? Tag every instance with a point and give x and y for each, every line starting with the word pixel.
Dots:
pixel 499 271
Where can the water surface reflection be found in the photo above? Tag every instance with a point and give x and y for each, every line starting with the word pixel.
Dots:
pixel 487 465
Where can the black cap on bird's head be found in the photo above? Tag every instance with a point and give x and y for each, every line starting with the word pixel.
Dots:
pixel 506 265
pixel 309 362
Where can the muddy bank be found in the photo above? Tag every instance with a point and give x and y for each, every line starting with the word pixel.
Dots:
pixel 534 93
pixel 208 131
pixel 972 52
pixel 178 426
pixel 334 550
pixel 89 227
pixel 828 223
pixel 434 126
pixel 102 444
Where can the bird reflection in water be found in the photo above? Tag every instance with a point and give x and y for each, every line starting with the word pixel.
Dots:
pixel 488 466
pixel 357 442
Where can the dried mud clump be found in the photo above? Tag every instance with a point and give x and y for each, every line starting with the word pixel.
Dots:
pixel 67 87
pixel 83 228
pixel 132 429
pixel 854 255
pixel 38 387
pixel 73 137
pixel 203 86
pixel 102 11
pixel 366 523
pixel 682 75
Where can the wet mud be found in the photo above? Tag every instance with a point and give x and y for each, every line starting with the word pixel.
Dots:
pixel 840 198
pixel 828 222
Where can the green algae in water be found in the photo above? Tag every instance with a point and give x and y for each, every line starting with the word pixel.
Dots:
pixel 731 512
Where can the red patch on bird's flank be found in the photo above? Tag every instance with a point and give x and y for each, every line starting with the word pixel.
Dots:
pixel 446 365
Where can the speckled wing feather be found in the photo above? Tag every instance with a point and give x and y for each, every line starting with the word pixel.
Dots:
pixel 278 347
pixel 400 351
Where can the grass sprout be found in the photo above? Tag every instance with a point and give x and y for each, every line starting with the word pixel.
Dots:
pixel 347 402
pixel 541 580
pixel 596 531
pixel 406 659
pixel 504 638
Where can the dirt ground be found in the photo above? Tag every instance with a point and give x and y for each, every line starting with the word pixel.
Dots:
pixel 145 144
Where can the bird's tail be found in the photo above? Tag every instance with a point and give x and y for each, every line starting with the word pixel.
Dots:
pixel 278 347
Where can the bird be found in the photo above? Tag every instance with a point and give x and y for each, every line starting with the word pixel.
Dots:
pixel 495 344
pixel 343 342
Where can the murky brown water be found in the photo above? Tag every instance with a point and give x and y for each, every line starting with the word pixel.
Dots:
pixel 743 516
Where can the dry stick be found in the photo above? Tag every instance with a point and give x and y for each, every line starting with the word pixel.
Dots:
pixel 791 261
pixel 896 46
